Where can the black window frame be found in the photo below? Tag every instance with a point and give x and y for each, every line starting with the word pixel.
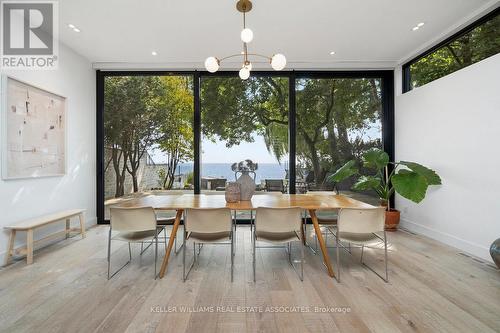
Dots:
pixel 406 73
pixel 387 91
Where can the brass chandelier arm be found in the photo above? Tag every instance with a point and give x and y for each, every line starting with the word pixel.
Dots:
pixel 243 55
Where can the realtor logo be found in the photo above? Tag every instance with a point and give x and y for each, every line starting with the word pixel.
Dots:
pixel 29 35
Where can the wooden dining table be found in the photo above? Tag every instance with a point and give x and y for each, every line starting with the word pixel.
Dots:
pixel 309 202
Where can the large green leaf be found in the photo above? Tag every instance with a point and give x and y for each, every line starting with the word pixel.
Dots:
pixel 366 183
pixel 430 175
pixel 410 185
pixel 375 159
pixel 346 171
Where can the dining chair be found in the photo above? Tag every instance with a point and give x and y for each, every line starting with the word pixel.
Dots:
pixel 162 224
pixel 132 225
pixel 327 221
pixel 279 226
pixel 207 226
pixel 275 185
pixel 361 227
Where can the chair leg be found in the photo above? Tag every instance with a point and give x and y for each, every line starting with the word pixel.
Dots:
pixel 253 254
pixel 338 256
pixel 156 253
pixel 302 262
pixel 232 255
pixel 386 279
pixel 385 249
pixel 109 257
pixel 184 258
pixel 109 251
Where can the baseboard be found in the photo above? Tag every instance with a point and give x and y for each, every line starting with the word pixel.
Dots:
pixel 88 223
pixel 451 240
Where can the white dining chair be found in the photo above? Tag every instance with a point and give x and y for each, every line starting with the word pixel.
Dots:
pixel 327 221
pixel 279 226
pixel 163 223
pixel 361 227
pixel 132 225
pixel 207 226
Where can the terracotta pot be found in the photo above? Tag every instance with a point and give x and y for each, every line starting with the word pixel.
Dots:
pixel 392 219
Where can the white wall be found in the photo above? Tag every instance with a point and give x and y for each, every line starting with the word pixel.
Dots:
pixel 453 126
pixel 21 199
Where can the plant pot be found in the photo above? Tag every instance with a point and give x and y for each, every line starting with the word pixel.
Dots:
pixel 392 219
pixel 495 252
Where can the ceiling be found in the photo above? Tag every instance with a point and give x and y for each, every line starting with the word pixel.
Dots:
pixel 373 33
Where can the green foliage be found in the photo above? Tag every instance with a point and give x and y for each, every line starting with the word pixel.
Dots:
pixel 476 45
pixel 411 181
pixel 410 185
pixel 347 170
pixel 189 178
pixel 375 159
pixel 430 175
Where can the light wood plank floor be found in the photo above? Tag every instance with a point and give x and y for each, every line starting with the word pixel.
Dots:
pixel 432 288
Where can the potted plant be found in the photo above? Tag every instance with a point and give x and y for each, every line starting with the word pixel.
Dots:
pixel 408 179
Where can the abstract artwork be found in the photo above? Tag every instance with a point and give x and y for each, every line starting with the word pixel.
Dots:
pixel 33 131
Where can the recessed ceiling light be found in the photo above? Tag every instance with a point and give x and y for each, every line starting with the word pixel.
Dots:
pixel 415 28
pixel 421 24
pixel 76 30
pixel 154 53
pixel 71 26
pixel 332 53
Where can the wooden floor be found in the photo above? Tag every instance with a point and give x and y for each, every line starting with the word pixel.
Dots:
pixel 432 288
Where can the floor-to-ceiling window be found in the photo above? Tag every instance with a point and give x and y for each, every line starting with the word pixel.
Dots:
pixel 244 120
pixel 338 119
pixel 170 133
pixel 148 136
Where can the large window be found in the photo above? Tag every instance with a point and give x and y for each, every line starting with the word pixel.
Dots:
pixel 168 133
pixel 338 119
pixel 475 43
pixel 243 120
pixel 148 136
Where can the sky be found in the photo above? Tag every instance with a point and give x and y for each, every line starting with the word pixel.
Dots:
pixel 217 152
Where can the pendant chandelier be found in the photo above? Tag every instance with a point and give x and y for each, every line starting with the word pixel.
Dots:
pixel 277 61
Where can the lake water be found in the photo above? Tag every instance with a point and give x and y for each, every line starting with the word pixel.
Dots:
pixel 223 170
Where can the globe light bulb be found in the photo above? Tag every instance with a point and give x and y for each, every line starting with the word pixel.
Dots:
pixel 212 64
pixel 278 62
pixel 244 73
pixel 246 35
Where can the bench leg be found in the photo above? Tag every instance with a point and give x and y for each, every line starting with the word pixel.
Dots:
pixel 82 224
pixel 10 247
pixel 68 227
pixel 29 247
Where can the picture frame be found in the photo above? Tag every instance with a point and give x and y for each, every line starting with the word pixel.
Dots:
pixel 33 131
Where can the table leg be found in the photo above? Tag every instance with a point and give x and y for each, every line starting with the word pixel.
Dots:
pixel 29 247
pixel 82 224
pixel 173 234
pixel 10 247
pixel 321 241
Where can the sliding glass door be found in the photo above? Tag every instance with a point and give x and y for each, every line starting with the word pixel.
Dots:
pixel 338 119
pixel 244 120
pixel 181 132
pixel 148 136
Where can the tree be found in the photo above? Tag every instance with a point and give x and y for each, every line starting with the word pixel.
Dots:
pixel 176 125
pixel 132 111
pixel 477 44
pixel 332 116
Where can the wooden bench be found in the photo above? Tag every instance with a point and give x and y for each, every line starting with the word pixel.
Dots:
pixel 30 225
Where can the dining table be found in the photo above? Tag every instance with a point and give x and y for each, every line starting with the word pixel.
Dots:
pixel 308 202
